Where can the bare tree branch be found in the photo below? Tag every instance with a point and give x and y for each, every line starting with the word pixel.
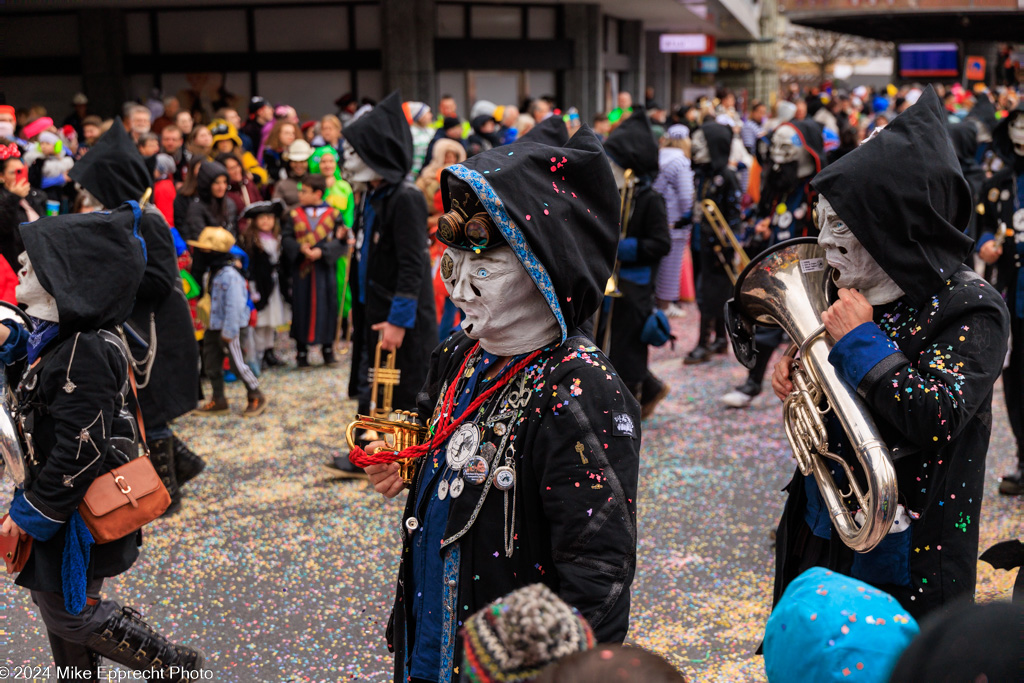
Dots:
pixel 825 48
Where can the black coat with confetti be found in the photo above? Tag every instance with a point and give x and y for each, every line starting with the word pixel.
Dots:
pixel 932 403
pixel 576 443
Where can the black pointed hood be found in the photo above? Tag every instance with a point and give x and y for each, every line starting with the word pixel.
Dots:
pixel 550 131
pixel 812 135
pixel 632 145
pixel 382 138
pixel 719 139
pixel 91 263
pixel 113 171
pixel 1001 136
pixel 904 197
pixel 964 136
pixel 984 112
pixel 558 209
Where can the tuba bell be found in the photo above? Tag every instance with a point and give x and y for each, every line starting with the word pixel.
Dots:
pixel 399 429
pixel 787 286
pixel 12 460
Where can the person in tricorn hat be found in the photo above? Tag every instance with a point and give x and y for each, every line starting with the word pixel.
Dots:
pixel 392 292
pixel 531 473
pixel 77 425
pixel 632 147
pixel 114 173
pixel 921 338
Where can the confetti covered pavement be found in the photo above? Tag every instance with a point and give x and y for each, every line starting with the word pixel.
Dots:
pixel 279 574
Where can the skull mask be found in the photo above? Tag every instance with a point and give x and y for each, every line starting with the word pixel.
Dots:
pixel 38 302
pixel 788 147
pixel 699 149
pixel 855 267
pixel 503 307
pixel 1016 127
pixel 355 170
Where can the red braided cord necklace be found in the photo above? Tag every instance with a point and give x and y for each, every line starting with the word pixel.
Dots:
pixel 361 458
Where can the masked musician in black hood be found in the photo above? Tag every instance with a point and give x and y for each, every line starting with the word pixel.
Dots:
pixel 77 424
pixel 167 367
pixel 1001 215
pixel 631 146
pixel 532 474
pixel 921 338
pixel 964 136
pixel 391 281
pixel 716 181
pixel 784 211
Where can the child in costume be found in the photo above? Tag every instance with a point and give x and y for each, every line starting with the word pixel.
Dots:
pixel 311 247
pixel 229 316
pixel 325 161
pixel 77 424
pixel 263 245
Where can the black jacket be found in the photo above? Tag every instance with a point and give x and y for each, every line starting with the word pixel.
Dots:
pixel 576 461
pixel 113 172
pixel 12 214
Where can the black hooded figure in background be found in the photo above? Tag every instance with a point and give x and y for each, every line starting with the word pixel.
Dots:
pixel 77 423
pixel 391 283
pixel 631 146
pixel 537 482
pixel 718 182
pixel 921 338
pixel 1000 215
pixel 167 370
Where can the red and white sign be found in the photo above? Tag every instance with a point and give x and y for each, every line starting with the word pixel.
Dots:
pixel 687 43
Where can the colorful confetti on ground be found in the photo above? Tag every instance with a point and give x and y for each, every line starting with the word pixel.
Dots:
pixel 280 574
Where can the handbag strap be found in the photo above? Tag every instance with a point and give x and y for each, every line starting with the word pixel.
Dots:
pixel 138 412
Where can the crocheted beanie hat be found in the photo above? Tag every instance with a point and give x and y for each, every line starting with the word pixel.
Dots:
pixel 512 639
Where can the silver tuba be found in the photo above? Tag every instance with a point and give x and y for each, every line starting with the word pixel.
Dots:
pixel 788 287
pixel 11 458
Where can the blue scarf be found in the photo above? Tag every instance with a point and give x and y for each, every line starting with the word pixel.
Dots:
pixel 43 333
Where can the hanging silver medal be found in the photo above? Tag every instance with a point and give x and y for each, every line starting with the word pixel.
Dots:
pixel 462 446
pixel 442 489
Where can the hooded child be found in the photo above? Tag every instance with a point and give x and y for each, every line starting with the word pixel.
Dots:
pixel 632 147
pixel 921 338
pixel 77 425
pixel 393 300
pixel 718 182
pixel 167 372
pixel 784 211
pixel 1001 223
pixel 214 207
pixel 313 238
pixel 531 474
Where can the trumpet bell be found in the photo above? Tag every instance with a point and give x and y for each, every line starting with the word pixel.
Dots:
pixel 12 460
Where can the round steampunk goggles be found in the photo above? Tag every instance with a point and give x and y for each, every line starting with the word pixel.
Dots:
pixel 474 232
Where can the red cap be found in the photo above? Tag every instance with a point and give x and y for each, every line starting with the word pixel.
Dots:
pixel 7 109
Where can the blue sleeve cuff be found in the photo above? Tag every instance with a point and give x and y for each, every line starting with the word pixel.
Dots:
pixel 180 247
pixel 57 181
pixel 627 249
pixel 403 312
pixel 16 346
pixel 987 237
pixel 859 351
pixel 32 521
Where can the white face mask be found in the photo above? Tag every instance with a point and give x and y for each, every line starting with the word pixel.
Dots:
pixel 787 147
pixel 503 307
pixel 355 170
pixel 1017 134
pixel 856 268
pixel 38 302
pixel 699 148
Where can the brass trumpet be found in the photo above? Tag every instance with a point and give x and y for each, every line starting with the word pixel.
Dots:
pixel 400 429
pixel 726 239
pixel 611 288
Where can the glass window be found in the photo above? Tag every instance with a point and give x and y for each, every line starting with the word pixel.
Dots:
pixel 301 28
pixel 203 31
pixel 208 86
pixel 37 36
pixel 367 27
pixel 541 83
pixel 543 23
pixel 496 22
pixel 611 36
pixel 137 26
pixel 52 92
pixel 451 21
pixel 311 93
pixel 453 83
pixel 499 87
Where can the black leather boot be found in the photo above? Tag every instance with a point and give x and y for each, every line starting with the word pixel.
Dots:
pixel 126 639
pixel 187 465
pixel 74 660
pixel 161 454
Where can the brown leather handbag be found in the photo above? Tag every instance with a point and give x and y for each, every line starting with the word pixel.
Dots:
pixel 126 498
pixel 15 549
